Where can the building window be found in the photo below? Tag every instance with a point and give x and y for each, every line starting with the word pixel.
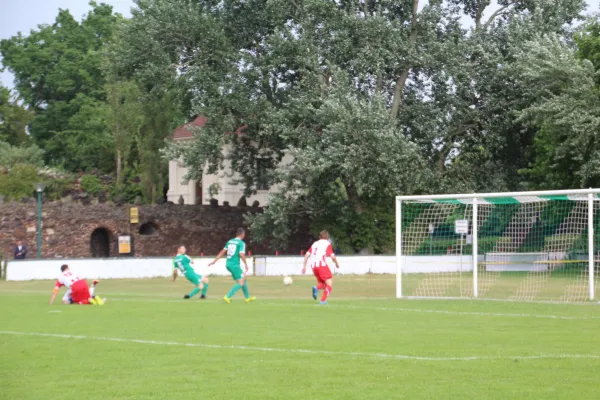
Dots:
pixel 149 228
pixel 262 174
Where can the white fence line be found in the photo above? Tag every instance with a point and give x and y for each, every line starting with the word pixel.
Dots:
pixel 110 268
pixel 120 268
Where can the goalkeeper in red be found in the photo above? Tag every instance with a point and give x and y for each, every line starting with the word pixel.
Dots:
pixel 316 258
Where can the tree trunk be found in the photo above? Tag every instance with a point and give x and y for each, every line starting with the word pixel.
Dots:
pixel 119 167
pixel 403 74
pixel 379 83
pixel 118 144
pixel 479 14
pixel 354 198
pixel 400 84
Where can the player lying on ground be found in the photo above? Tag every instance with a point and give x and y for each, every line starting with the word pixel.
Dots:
pixel 182 263
pixel 316 258
pixel 236 251
pixel 78 291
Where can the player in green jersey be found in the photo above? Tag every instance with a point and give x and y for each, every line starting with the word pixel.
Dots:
pixel 182 263
pixel 235 249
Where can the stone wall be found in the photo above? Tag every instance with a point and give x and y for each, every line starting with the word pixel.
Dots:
pixel 73 230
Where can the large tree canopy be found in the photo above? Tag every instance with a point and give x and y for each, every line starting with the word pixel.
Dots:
pixel 14 118
pixel 58 76
pixel 372 98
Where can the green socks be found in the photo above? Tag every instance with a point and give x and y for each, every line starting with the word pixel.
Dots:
pixel 233 290
pixel 204 289
pixel 194 292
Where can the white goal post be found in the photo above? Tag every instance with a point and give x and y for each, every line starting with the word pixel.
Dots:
pixel 532 246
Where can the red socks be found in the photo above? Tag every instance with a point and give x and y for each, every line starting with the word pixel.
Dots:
pixel 326 293
pixel 320 286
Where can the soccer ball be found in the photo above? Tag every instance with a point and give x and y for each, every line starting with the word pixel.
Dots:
pixel 287 280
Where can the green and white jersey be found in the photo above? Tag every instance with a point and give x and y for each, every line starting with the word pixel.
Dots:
pixel 234 247
pixel 183 263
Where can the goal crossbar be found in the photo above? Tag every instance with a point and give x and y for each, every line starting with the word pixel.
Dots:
pixel 523 225
pixel 500 194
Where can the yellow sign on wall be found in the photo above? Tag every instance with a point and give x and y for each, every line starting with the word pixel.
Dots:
pixel 125 244
pixel 134 217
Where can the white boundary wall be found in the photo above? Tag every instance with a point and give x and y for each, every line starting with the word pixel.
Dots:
pixel 120 268
pixel 360 265
pixel 110 268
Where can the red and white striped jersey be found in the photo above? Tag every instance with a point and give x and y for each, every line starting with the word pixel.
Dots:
pixel 67 279
pixel 318 252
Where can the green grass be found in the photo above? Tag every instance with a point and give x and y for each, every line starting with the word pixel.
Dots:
pixel 568 282
pixel 352 345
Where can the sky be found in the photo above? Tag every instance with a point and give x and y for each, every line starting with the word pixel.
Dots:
pixel 24 15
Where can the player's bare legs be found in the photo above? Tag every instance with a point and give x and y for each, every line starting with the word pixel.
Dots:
pixel 316 255
pixel 236 256
pixel 204 288
pixel 315 289
pixel 93 287
pixel 95 300
pixel 327 290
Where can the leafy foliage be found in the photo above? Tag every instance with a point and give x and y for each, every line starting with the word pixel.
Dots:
pixel 18 182
pixel 124 119
pixel 91 184
pixel 424 106
pixel 566 109
pixel 368 98
pixel 13 118
pixel 57 74
pixel 13 155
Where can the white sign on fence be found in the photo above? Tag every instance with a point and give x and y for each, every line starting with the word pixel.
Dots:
pixel 461 226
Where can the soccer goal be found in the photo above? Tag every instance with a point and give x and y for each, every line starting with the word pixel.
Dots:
pixel 534 246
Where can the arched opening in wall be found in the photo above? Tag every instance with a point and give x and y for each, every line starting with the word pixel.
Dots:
pixel 100 243
pixel 149 228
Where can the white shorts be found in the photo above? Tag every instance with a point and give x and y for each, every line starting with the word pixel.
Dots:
pixel 67 296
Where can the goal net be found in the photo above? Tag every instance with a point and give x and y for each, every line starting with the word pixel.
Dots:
pixel 537 246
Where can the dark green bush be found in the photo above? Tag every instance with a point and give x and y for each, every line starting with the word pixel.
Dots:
pixel 91 184
pixel 19 182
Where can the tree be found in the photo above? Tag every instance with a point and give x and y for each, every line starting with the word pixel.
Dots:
pixel 288 97
pixel 58 76
pixel 278 76
pixel 14 155
pixel 124 118
pixel 18 182
pixel 13 118
pixel 349 163
pixel 479 145
pixel 565 109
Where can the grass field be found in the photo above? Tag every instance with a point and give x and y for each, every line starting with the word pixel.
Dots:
pixel 149 343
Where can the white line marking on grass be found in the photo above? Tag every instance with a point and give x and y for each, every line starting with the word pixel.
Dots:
pixel 54 311
pixel 304 351
pixel 170 298
pixel 448 312
pixel 400 309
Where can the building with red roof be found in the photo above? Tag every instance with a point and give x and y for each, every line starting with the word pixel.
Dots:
pixel 201 191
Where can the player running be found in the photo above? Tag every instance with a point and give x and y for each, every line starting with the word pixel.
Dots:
pixel 236 251
pixel 316 256
pixel 78 291
pixel 182 263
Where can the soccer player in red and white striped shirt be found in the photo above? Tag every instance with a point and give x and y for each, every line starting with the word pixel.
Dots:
pixel 78 291
pixel 316 258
